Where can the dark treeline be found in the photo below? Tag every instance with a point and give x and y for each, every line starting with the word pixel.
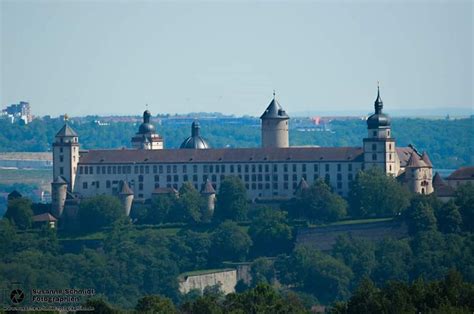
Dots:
pixel 447 141
pixel 145 258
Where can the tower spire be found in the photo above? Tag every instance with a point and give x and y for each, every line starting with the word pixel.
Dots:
pixel 378 104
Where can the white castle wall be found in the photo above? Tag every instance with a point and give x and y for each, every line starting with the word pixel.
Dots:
pixel 227 279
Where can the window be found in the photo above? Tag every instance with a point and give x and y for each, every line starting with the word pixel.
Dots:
pixel 267 168
pixel 97 184
pixel 147 169
pixel 185 178
pixel 294 167
pixel 175 178
pixel 60 149
pixel 160 169
pixel 339 177
pixel 275 168
pixel 246 168
pixel 157 185
pixel 84 185
pixel 195 178
pixel 390 146
pixel 61 158
pixel 253 168
pixel 389 156
pixel 374 156
pixel 375 133
pixel 142 169
pixel 295 177
pixel 327 167
pixel 339 167
pixel 285 185
pixel 350 167
pixel 205 169
pixel 315 167
pixel 168 169
pixel 374 146
pixel 350 177
pixel 61 170
pixel 222 168
pixel 185 168
pixel 107 184
pixel 211 168
pixel 303 167
pixel 175 169
pixel 114 170
pixel 155 169
pixel 239 168
pixel 86 170
pixel 168 178
pixel 327 178
pixel 260 168
pixel 119 170
pixel 140 186
pixel 231 168
pixel 140 178
pixel 135 170
pixel 195 168
pixel 157 178
pixel 285 167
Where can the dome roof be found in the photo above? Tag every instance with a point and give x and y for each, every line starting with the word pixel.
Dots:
pixel 146 127
pixel 378 119
pixel 195 141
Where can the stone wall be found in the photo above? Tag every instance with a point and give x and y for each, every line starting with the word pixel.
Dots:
pixel 227 279
pixel 323 238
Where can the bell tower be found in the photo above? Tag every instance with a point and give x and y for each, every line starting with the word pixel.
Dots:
pixel 379 146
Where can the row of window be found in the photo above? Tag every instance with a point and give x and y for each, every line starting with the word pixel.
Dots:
pixel 146 169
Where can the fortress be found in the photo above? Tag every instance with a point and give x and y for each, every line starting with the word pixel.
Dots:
pixel 273 172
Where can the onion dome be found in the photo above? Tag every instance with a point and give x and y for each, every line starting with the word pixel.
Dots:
pixel 146 127
pixel 378 119
pixel 274 111
pixel 195 141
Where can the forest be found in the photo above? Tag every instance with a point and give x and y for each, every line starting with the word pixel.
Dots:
pixel 448 142
pixel 138 261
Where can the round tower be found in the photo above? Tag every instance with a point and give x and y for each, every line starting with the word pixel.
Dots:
pixel 58 196
pixel 126 197
pixel 209 193
pixel 275 125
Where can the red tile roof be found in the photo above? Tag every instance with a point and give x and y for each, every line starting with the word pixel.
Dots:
pixel 43 217
pixel 223 155
pixel 463 173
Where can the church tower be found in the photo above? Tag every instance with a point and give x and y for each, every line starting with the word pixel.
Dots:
pixel 379 146
pixel 146 137
pixel 274 125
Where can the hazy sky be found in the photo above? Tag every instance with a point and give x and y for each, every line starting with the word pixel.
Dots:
pixel 113 57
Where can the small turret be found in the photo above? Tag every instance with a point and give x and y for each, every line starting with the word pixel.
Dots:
pixel 58 193
pixel 195 141
pixel 126 197
pixel 209 193
pixel 146 137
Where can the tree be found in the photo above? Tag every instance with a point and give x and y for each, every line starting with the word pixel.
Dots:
pixel 358 254
pixel 229 242
pixel 449 219
pixel 100 211
pixel 19 212
pixel 373 193
pixel 262 271
pixel 315 272
pixel 270 233
pixel 393 259
pixel 420 217
pixel 464 198
pixel 160 208
pixel 155 304
pixel 319 204
pixel 187 208
pixel 231 200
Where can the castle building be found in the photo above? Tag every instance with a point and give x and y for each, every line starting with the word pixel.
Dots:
pixel 276 171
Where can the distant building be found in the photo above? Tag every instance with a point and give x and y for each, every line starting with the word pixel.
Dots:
pixel 462 175
pixel 16 112
pixel 272 172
